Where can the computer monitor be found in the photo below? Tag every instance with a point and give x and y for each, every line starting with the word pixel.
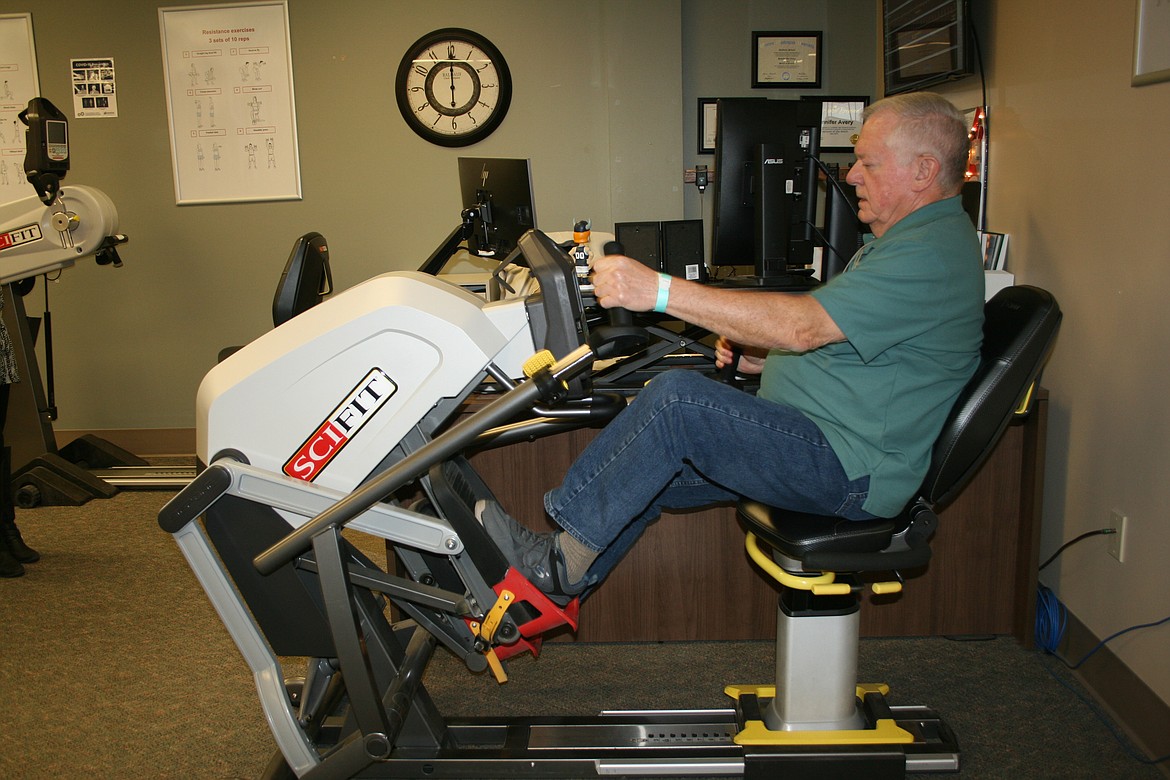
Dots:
pixel 499 190
pixel 765 185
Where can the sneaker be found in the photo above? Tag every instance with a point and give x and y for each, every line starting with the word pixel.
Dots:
pixel 537 556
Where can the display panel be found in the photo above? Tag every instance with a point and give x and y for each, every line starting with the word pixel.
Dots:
pixel 765 184
pixel 500 190
pixel 925 42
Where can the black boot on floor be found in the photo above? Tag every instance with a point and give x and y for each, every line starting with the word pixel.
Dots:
pixel 12 543
pixel 9 566
pixel 10 538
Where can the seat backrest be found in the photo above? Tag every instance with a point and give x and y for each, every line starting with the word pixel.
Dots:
pixel 306 280
pixel 1020 325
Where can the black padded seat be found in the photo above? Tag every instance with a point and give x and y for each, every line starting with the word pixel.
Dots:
pixel 1020 325
pixel 799 534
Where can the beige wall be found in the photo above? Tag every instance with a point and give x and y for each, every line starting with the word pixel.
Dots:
pixel 1080 181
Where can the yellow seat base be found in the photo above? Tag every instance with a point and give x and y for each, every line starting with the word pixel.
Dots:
pixel 884 732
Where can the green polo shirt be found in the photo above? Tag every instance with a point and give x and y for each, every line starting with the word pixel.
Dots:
pixel 911 308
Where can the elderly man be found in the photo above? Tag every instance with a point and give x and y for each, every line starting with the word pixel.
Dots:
pixel 857 376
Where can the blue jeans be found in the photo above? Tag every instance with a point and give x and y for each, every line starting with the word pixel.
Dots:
pixel 689 441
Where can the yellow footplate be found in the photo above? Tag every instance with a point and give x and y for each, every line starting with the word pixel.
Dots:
pixel 885 731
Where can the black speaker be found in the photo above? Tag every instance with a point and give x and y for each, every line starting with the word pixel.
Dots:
pixel 682 249
pixel 641 241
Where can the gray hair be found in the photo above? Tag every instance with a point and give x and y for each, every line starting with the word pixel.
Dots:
pixel 930 125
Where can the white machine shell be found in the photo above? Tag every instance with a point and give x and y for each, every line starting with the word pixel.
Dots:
pixel 36 239
pixel 421 339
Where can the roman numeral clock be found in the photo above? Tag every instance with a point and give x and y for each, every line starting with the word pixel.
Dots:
pixel 453 87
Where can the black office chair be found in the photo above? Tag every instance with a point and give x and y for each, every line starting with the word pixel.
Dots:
pixel 305 281
pixel 815 558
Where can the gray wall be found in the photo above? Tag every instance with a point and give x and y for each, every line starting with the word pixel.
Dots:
pixel 597 107
pixel 604 105
pixel 717 61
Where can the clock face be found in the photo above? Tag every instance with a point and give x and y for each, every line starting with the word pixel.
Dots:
pixel 453 87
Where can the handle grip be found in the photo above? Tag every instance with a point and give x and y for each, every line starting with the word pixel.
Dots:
pixel 618 316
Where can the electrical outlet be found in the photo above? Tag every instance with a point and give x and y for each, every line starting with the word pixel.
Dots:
pixel 1117 540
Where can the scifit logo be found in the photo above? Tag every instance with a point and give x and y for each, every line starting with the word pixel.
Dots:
pixel 342 424
pixel 18 236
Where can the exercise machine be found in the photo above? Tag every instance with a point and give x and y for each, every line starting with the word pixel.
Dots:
pixel 352 416
pixel 40 234
pixel 306 280
pixel 50 231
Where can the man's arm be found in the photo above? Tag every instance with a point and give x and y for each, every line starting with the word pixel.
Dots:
pixel 771 320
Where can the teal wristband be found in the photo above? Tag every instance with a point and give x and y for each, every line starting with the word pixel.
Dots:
pixel 663 293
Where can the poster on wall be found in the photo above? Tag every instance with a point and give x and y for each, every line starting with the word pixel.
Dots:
pixel 18 85
pixel 94 88
pixel 228 73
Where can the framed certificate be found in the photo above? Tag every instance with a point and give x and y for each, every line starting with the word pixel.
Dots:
pixel 708 120
pixel 786 60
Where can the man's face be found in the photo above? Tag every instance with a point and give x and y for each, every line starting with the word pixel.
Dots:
pixel 883 178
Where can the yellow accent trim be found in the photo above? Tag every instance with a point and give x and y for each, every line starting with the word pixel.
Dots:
pixel 492 620
pixel 773 570
pixel 880 688
pixel 881 588
pixel 884 732
pixel 769 691
pixel 496 666
pixel 1027 402
pixel 832 589
pixel 542 359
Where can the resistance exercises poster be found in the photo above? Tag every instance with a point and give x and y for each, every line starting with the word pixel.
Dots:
pixel 230 101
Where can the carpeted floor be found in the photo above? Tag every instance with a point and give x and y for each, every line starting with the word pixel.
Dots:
pixel 114 665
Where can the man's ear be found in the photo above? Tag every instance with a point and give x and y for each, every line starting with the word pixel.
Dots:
pixel 926 172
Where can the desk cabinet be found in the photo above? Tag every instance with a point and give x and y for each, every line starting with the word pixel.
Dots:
pixel 689 578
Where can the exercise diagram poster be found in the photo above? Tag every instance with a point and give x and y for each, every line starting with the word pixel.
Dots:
pixel 18 85
pixel 229 87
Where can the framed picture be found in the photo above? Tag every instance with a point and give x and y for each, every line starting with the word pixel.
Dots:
pixel 840 121
pixel 708 116
pixel 229 86
pixel 1151 43
pixel 786 60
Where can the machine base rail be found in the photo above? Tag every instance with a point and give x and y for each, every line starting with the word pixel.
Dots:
pixel 146 477
pixel 671 743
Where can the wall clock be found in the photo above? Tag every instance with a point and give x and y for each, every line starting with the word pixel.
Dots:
pixel 453 87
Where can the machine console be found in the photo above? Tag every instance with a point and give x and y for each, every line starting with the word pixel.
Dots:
pixel 557 314
pixel 46 158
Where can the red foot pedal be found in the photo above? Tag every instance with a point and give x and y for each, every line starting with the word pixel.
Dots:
pixel 551 615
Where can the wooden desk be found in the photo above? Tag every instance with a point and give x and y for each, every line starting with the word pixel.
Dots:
pixel 689 578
